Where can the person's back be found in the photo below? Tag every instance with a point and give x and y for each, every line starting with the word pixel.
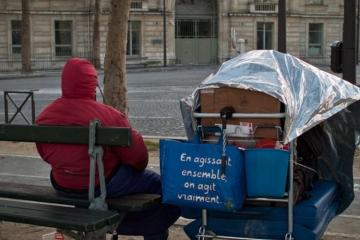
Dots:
pixel 124 167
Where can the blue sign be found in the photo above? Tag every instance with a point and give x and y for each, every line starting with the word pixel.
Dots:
pixel 191 175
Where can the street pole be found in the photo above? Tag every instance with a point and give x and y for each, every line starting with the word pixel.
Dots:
pixel 349 60
pixel 164 28
pixel 357 31
pixel 282 26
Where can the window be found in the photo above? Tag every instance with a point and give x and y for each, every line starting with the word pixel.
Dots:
pixel 265 6
pixel 185 28
pixel 264 35
pixel 316 2
pixel 16 37
pixel 204 28
pixel 190 28
pixel 315 39
pixel 136 5
pixel 63 38
pixel 133 43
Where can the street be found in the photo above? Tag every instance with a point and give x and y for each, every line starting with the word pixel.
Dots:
pixel 153 97
pixel 154 111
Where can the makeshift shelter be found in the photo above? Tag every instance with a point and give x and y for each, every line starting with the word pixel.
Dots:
pixel 322 110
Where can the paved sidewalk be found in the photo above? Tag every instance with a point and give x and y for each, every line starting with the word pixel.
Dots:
pixel 343 227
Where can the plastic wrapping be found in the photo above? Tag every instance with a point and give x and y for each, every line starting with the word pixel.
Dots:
pixel 311 97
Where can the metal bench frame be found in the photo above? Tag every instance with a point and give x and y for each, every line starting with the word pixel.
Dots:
pixel 95 136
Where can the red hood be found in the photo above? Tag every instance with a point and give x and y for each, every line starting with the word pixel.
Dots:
pixel 78 79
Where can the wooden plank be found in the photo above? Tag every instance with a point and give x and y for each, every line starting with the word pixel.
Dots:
pixel 131 203
pixel 114 136
pixel 61 217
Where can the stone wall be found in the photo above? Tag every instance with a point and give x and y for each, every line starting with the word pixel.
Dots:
pixel 234 19
pixel 236 16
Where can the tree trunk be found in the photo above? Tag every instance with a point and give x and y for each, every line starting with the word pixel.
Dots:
pixel 25 37
pixel 115 80
pixel 96 36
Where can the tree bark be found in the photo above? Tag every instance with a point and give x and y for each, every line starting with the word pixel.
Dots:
pixel 96 36
pixel 115 80
pixel 25 37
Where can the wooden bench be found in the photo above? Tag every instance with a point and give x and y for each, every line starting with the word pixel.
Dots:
pixel 88 218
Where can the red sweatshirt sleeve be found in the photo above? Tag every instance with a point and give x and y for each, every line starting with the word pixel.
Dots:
pixel 136 155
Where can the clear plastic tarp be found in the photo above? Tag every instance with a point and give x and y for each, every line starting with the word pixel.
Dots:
pixel 310 95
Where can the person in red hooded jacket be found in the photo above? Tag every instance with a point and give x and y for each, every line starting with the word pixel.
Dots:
pixel 124 167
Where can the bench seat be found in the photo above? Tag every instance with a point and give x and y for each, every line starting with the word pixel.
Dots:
pixel 130 203
pixel 73 216
pixel 63 217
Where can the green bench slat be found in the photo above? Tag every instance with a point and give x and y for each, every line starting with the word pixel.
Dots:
pixel 137 202
pixel 67 218
pixel 114 136
pixel 78 218
pixel 134 203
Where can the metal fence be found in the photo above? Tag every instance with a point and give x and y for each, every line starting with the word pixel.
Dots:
pixel 10 103
pixel 265 7
pixel 44 63
pixel 40 62
pixel 317 61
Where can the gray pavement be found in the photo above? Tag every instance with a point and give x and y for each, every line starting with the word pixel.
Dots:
pixel 154 110
pixel 153 96
pixel 25 169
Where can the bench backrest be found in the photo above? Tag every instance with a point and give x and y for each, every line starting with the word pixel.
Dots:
pixel 94 136
pixel 111 136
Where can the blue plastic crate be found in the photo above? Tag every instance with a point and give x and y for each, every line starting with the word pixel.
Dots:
pixel 266 172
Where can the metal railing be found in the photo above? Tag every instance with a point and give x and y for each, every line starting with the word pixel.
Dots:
pixel 265 7
pixel 29 96
pixel 40 62
pixel 136 5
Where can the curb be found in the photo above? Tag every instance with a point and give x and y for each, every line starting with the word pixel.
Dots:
pixel 39 74
pixel 170 68
pixel 31 75
pixel 16 76
pixel 152 137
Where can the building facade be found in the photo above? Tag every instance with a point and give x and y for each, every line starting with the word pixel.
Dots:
pixel 196 31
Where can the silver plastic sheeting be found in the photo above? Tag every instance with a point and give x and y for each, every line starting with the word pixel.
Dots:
pixel 319 110
pixel 309 94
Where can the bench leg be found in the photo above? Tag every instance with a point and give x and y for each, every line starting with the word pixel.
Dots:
pixel 114 236
pixel 97 235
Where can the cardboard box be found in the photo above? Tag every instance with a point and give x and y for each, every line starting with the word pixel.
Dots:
pixel 243 101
